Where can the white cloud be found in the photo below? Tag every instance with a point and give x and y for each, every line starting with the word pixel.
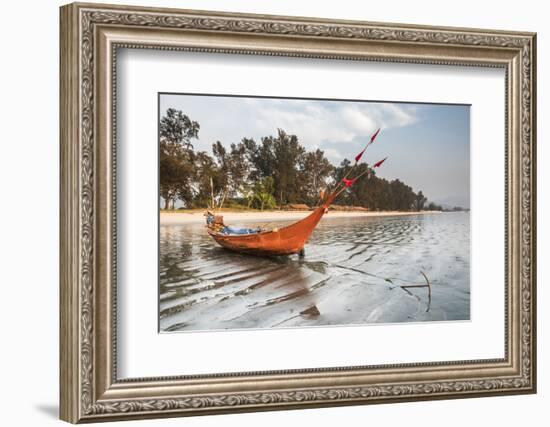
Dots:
pixel 316 123
pixel 333 154
pixel 440 136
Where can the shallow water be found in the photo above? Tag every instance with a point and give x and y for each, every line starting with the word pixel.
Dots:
pixel 355 271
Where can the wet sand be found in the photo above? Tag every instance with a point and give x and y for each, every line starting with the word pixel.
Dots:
pixel 354 272
pixel 175 218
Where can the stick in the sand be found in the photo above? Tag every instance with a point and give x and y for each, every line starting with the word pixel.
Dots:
pixel 427 285
pixel 429 291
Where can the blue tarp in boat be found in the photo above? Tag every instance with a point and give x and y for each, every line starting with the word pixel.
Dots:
pixel 235 230
pixel 229 230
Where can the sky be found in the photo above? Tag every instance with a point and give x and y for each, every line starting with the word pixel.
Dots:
pixel 427 145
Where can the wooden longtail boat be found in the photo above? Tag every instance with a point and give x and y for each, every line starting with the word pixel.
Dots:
pixel 280 241
pixel 285 240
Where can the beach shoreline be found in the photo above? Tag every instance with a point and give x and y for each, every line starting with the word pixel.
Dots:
pixel 353 272
pixel 176 218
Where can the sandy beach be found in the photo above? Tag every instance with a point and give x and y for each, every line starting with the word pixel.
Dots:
pixel 353 272
pixel 175 218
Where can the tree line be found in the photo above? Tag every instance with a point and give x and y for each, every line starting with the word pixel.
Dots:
pixel 273 171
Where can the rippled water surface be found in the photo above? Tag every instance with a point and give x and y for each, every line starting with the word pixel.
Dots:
pixel 355 271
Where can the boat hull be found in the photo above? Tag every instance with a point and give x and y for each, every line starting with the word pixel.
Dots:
pixel 283 241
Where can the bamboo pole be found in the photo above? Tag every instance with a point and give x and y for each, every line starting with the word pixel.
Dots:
pixel 212 194
pixel 356 178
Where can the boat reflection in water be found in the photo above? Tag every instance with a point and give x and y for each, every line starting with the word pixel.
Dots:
pixel 355 271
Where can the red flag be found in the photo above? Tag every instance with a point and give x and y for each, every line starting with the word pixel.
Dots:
pixel 348 182
pixel 377 164
pixel 372 138
pixel 359 155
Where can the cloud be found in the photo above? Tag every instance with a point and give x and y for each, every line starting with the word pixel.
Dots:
pixel 432 156
pixel 321 121
pixel 329 125
pixel 333 154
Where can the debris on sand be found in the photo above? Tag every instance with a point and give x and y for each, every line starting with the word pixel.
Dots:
pixel 311 311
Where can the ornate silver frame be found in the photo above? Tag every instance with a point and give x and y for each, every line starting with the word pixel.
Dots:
pixel 90 36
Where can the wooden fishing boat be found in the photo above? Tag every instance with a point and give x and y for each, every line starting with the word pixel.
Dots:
pixel 285 240
pixel 278 241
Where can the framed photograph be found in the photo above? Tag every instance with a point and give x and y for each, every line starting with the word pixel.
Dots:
pixel 266 212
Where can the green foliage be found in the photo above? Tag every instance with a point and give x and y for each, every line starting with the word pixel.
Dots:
pixel 373 192
pixel 209 181
pixel 263 194
pixel 277 157
pixel 420 201
pixel 433 207
pixel 176 176
pixel 315 169
pixel 276 170
pixel 176 157
pixel 177 128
